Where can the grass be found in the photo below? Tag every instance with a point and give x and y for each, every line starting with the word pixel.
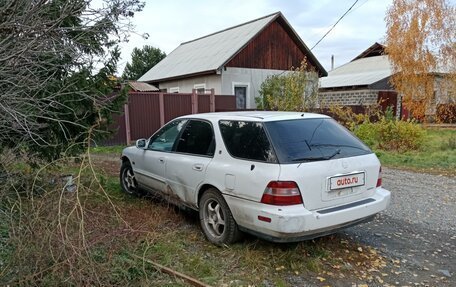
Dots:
pixel 5 248
pixel 94 236
pixel 116 232
pixel 107 150
pixel 438 154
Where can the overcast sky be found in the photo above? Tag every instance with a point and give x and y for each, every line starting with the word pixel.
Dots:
pixel 171 22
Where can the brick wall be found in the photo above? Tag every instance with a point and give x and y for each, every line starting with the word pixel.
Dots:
pixel 348 98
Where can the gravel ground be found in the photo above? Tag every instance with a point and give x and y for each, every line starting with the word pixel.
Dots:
pixel 424 199
pixel 418 231
pixel 417 234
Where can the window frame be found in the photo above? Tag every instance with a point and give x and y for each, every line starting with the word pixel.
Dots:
pixel 174 149
pixel 276 159
pixel 175 140
pixel 174 90
pixel 199 87
pixel 247 91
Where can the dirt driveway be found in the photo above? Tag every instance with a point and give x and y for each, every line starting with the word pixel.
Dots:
pixel 418 231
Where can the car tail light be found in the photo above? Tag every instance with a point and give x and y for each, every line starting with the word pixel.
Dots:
pixel 379 180
pixel 282 193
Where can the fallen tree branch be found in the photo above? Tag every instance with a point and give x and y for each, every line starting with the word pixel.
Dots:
pixel 192 281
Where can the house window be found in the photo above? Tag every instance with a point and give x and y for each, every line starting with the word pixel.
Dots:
pixel 200 88
pixel 241 91
pixel 174 90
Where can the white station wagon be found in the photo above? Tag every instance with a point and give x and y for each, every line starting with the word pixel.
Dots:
pixel 282 176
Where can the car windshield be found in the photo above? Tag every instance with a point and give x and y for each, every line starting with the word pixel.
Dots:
pixel 305 140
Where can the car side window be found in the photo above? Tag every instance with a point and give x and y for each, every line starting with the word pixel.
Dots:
pixel 247 140
pixel 164 139
pixel 197 138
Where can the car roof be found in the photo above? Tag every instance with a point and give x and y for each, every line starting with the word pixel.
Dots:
pixel 260 116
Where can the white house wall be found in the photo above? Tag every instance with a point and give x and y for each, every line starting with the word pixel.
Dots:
pixel 186 85
pixel 252 78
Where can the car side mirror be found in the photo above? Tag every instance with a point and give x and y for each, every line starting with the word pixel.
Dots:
pixel 141 143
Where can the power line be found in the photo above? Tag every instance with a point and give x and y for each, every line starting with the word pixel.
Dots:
pixel 359 6
pixel 334 24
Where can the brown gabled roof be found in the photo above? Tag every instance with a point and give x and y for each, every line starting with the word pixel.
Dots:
pixel 375 50
pixel 210 53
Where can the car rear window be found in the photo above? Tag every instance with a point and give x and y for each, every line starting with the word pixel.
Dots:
pixel 247 140
pixel 305 140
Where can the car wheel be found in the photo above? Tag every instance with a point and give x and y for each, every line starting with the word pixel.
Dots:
pixel 127 179
pixel 216 219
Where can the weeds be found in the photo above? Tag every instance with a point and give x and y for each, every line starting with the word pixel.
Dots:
pixel 96 235
pixel 80 237
pixel 449 143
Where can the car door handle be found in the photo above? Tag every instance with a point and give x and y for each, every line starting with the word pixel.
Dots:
pixel 162 160
pixel 198 167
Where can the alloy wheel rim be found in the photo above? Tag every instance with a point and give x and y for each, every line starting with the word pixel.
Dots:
pixel 129 180
pixel 214 218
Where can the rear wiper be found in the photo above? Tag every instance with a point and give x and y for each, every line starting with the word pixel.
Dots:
pixel 336 145
pixel 311 158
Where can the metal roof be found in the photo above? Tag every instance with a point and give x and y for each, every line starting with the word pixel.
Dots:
pixel 207 53
pixel 264 116
pixel 142 87
pixel 211 52
pixel 360 72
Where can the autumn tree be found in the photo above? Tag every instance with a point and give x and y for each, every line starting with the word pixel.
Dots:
pixel 420 42
pixel 294 90
pixel 142 60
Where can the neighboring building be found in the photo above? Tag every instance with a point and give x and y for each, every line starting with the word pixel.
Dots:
pixel 142 87
pixel 365 80
pixel 234 61
pixel 361 81
pixel 444 96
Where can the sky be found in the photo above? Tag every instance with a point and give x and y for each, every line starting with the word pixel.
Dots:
pixel 172 22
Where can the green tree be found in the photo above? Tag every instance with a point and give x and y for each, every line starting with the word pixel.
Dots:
pixel 294 90
pixel 142 60
pixel 57 58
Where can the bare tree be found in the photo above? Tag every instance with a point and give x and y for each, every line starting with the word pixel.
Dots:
pixel 56 62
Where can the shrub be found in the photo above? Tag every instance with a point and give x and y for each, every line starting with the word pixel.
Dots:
pixel 400 135
pixel 367 132
pixel 446 113
pixel 296 90
pixel 351 116
pixel 391 135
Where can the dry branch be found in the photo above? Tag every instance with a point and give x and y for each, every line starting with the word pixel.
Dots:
pixel 192 281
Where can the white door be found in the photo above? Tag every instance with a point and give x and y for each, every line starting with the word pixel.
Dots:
pixel 151 162
pixel 186 166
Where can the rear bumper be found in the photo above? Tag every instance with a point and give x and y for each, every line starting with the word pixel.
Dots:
pixel 295 223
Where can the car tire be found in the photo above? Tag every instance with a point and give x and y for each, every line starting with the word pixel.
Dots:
pixel 216 219
pixel 127 179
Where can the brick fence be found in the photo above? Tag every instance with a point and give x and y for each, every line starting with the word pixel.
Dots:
pixel 359 99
